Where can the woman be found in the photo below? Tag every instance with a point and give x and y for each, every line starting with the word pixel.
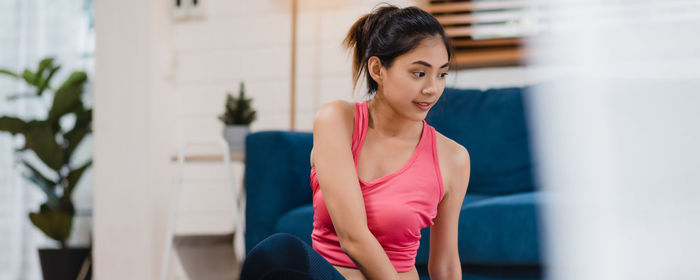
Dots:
pixel 379 172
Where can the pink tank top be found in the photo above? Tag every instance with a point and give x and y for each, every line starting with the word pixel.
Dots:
pixel 398 205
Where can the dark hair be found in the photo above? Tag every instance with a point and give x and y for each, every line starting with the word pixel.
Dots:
pixel 388 32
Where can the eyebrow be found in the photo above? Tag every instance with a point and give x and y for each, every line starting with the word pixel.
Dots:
pixel 428 64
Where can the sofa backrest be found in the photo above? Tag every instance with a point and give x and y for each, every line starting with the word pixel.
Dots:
pixel 491 124
pixel 276 179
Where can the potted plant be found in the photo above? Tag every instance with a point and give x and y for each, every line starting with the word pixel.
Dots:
pixel 237 118
pixel 54 140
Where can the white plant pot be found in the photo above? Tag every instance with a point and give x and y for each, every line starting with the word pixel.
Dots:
pixel 235 136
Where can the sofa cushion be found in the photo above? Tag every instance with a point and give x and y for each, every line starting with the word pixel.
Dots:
pixel 496 230
pixel 298 222
pixel 502 230
pixel 492 126
pixel 424 249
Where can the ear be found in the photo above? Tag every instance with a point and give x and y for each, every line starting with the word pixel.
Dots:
pixel 374 65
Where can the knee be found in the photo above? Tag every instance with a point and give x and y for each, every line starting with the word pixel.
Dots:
pixel 280 251
pixel 278 244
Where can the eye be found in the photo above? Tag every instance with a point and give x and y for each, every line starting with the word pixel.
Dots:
pixel 443 75
pixel 420 74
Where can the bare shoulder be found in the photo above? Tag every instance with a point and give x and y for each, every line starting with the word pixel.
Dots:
pixel 454 153
pixel 333 120
pixel 454 162
pixel 335 110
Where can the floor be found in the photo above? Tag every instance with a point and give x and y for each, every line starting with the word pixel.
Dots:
pixel 205 257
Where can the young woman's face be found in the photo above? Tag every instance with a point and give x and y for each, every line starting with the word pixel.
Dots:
pixel 416 79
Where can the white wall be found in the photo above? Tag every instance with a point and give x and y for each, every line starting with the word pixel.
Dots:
pixel 161 82
pixel 127 134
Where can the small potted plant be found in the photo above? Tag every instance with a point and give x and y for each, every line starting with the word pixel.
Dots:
pixel 54 142
pixel 237 118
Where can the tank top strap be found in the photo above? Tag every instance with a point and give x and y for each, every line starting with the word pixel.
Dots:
pixel 432 149
pixel 360 127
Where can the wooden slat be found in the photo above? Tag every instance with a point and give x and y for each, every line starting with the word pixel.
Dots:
pixel 489 58
pixel 455 19
pixel 500 31
pixel 461 31
pixel 469 43
pixel 452 7
pixel 484 17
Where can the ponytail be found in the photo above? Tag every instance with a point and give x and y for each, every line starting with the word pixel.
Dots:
pixel 358 38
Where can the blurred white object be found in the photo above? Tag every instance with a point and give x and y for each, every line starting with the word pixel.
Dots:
pixel 617 138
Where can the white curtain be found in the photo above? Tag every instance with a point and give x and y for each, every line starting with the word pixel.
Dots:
pixel 617 133
pixel 29 31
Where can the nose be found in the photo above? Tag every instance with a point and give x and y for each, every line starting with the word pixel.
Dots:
pixel 431 87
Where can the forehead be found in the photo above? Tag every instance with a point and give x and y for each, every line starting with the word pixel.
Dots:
pixel 431 50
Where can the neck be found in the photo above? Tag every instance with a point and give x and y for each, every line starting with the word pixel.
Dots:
pixel 386 122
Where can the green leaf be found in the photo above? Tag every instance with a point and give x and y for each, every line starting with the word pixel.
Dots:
pixel 44 207
pixel 20 95
pixel 41 139
pixel 46 82
pixel 77 78
pixel 29 77
pixel 83 118
pixel 52 199
pixel 67 96
pixel 249 117
pixel 55 224
pixel 81 128
pixel 74 178
pixel 35 172
pixel 66 204
pixel 74 137
pixel 66 100
pixel 43 64
pixel 9 73
pixel 12 125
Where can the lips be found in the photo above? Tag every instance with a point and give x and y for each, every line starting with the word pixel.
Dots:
pixel 423 105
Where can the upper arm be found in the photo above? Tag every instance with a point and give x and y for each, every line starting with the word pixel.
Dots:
pixel 335 168
pixel 444 255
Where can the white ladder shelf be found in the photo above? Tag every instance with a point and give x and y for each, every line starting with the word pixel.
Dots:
pixel 238 244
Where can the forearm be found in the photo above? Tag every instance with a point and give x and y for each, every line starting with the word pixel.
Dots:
pixel 452 274
pixel 369 256
pixel 450 270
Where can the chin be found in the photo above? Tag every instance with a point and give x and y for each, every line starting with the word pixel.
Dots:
pixel 419 117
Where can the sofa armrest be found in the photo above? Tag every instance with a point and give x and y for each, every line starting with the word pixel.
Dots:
pixel 276 179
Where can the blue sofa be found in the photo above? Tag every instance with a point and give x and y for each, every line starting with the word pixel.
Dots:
pixel 498 227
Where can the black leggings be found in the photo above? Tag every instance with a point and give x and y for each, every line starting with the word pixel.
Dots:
pixel 285 256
